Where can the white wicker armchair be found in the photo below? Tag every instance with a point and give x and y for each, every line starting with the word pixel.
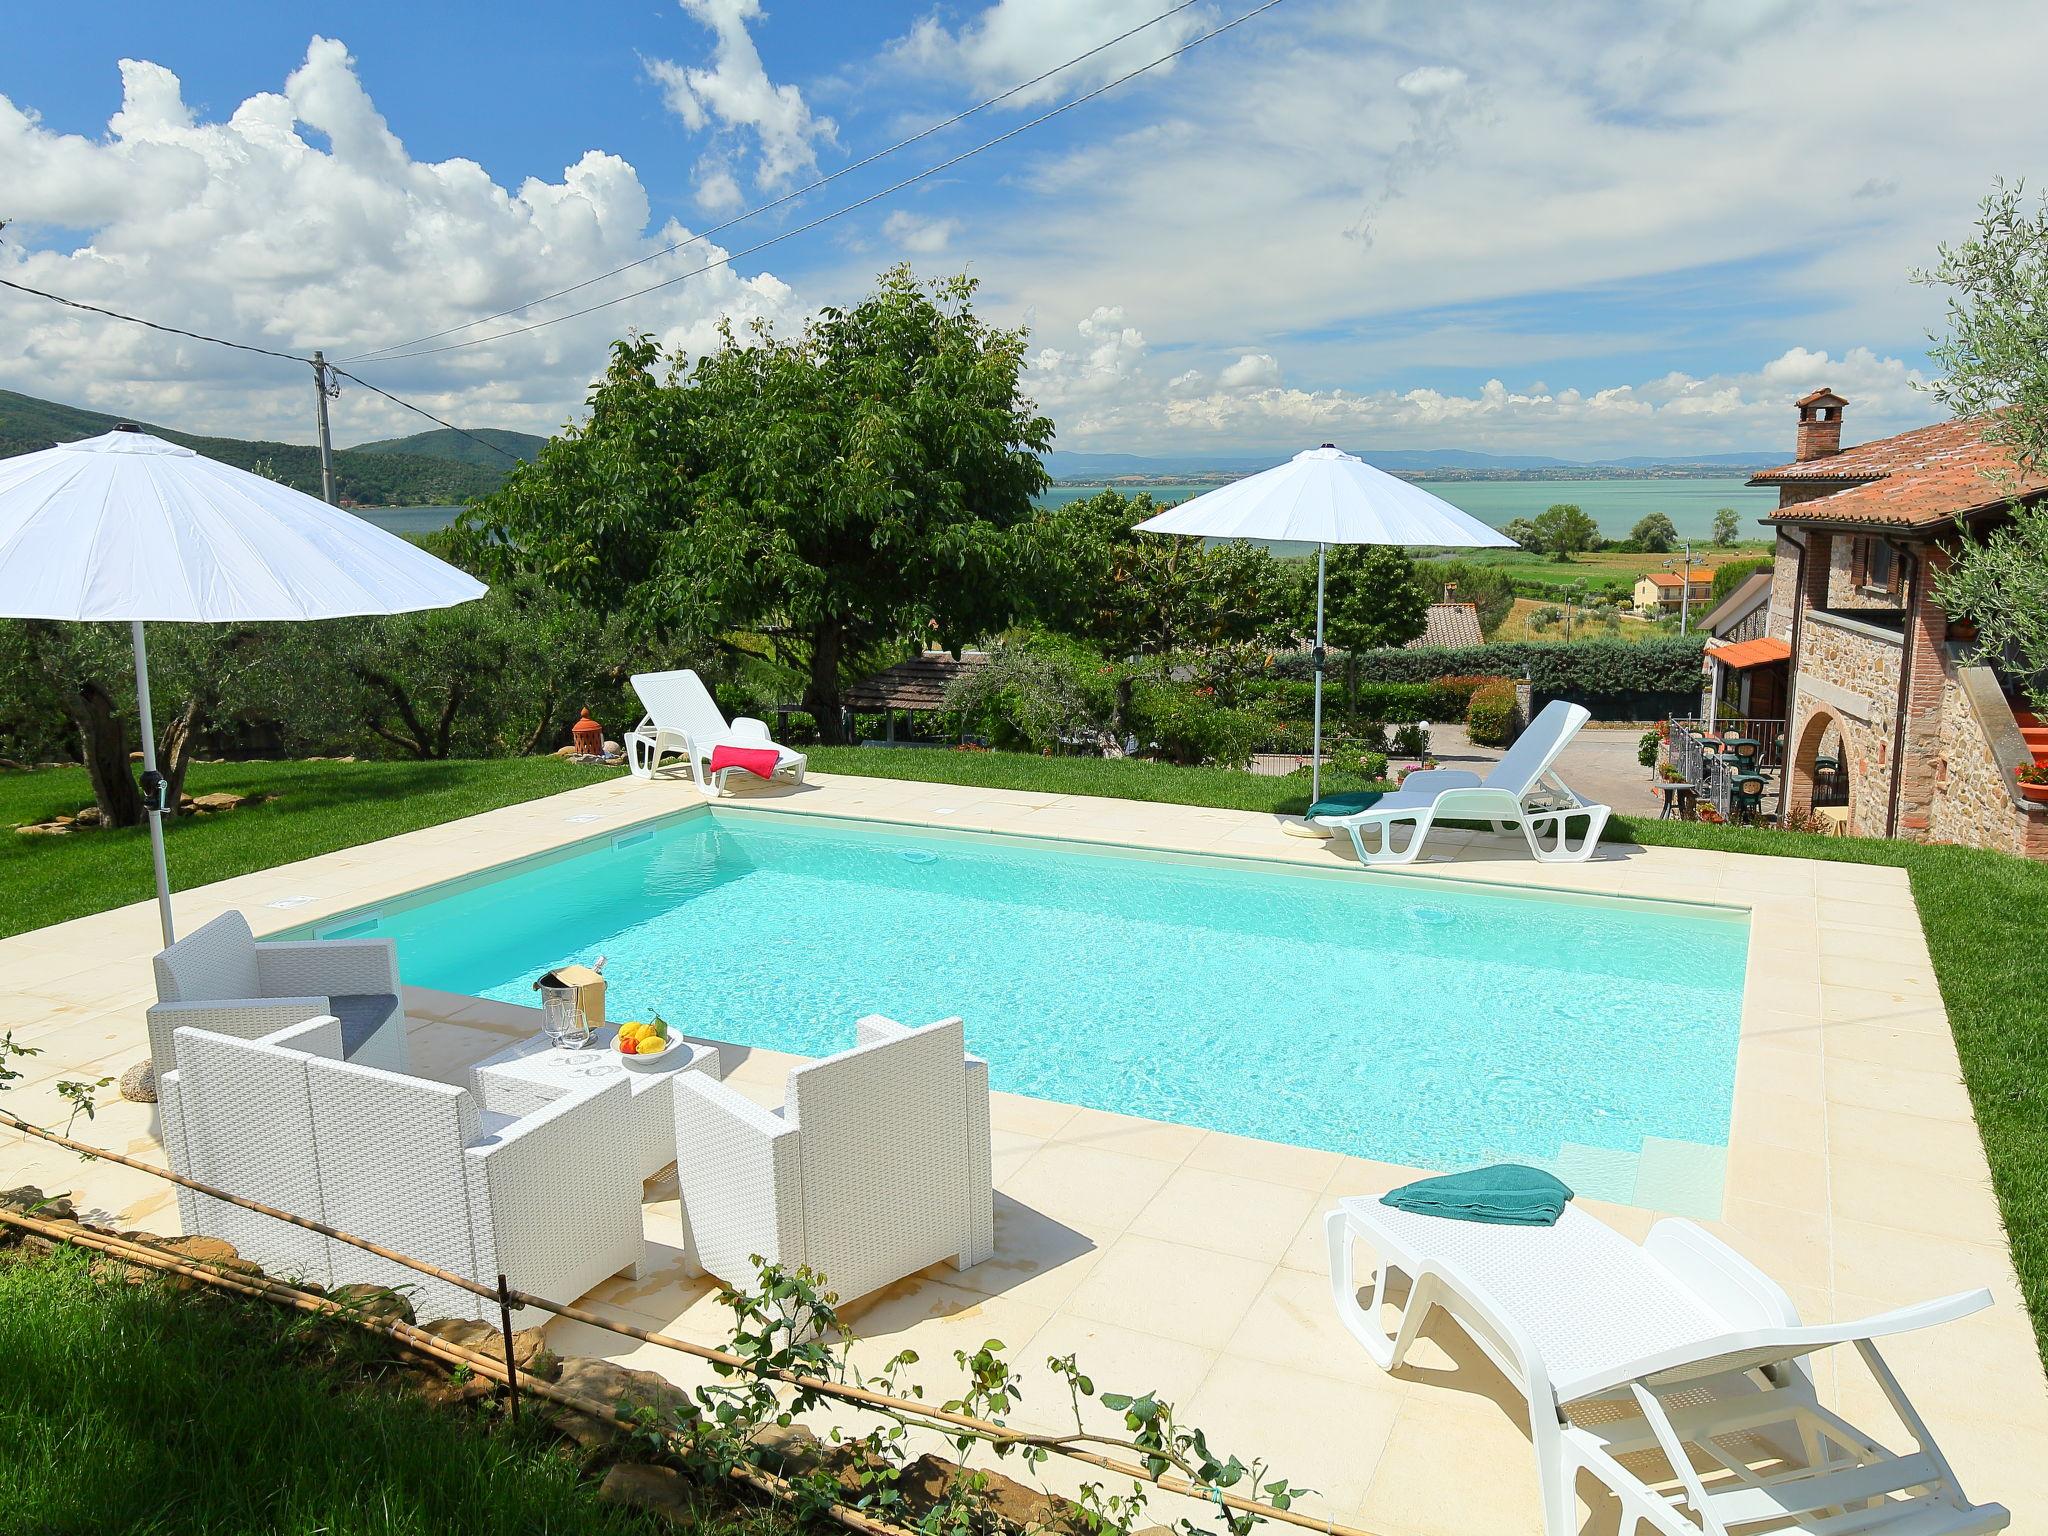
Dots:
pixel 540 1194
pixel 219 978
pixel 236 1114
pixel 548 1196
pixel 877 1165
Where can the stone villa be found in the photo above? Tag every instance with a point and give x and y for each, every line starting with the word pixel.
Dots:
pixel 1856 651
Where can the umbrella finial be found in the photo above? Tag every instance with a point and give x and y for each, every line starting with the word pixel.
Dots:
pixel 126 426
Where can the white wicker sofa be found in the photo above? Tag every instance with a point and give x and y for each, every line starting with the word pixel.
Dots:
pixel 538 1193
pixel 877 1165
pixel 219 978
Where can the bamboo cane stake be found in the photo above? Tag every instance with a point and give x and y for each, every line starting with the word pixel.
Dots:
pixel 864 1397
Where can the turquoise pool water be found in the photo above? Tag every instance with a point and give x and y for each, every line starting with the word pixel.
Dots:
pixel 1404 1020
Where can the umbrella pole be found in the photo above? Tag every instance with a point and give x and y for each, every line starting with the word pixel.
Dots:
pixel 1315 770
pixel 152 790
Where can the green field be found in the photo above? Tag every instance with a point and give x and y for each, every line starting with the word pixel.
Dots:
pixel 1603 570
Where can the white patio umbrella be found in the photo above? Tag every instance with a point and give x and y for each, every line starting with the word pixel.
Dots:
pixel 126 527
pixel 1322 497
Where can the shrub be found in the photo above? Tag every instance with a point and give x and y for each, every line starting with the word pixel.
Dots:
pixel 1187 726
pixel 1490 717
pixel 1648 747
pixel 1396 702
pixel 1374 766
pixel 1035 694
pixel 1582 669
pixel 1411 740
pixel 1730 576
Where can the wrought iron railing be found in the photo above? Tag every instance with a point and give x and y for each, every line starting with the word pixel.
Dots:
pixel 1725 763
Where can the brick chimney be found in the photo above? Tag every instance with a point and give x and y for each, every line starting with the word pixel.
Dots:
pixel 1820 425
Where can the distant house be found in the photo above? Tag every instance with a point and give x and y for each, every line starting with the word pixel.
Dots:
pixel 1662 592
pixel 1450 624
pixel 1924 730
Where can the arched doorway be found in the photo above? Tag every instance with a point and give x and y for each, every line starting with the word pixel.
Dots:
pixel 1817 773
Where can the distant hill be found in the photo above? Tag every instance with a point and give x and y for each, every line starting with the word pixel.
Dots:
pixel 459 449
pixel 1062 464
pixel 381 477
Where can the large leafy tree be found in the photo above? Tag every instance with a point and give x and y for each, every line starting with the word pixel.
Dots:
pixel 1727 527
pixel 1654 534
pixel 1562 531
pixel 1994 363
pixel 1374 598
pixel 839 492
pixel 1129 594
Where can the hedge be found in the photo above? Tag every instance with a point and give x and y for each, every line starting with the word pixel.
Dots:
pixel 1392 703
pixel 1490 717
pixel 1577 669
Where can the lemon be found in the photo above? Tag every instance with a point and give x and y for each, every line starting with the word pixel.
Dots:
pixel 650 1045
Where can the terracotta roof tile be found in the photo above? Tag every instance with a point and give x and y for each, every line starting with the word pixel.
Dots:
pixel 1751 653
pixel 1919 478
pixel 1451 624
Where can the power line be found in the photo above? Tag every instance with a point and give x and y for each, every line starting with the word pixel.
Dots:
pixel 787 197
pixel 840 212
pixel 422 411
pixel 115 314
pixel 243 346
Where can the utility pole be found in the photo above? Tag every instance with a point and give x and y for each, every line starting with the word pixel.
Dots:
pixel 1684 574
pixel 322 390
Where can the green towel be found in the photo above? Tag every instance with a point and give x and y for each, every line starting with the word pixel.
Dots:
pixel 1346 803
pixel 1506 1195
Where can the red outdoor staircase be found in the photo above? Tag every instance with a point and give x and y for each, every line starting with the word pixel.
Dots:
pixel 2033 733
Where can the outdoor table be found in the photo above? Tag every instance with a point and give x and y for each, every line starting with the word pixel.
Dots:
pixel 1680 798
pixel 650 1132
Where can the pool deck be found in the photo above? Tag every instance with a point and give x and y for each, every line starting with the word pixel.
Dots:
pixel 1190 1262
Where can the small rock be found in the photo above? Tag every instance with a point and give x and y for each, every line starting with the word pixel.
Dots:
pixel 138 1083
pixel 89 816
pixel 378 1303
pixel 1015 1505
pixel 565 752
pixel 219 800
pixel 45 829
pixel 530 1352
pixel 615 1386
pixel 659 1491
pixel 31 1201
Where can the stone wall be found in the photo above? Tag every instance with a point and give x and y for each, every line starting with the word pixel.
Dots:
pixel 1848 587
pixel 1851 677
pixel 1971 803
pixel 1784 589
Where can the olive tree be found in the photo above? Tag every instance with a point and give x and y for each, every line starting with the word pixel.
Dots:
pixel 1994 363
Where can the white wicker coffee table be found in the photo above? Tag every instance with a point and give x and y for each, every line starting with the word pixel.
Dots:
pixel 652 1129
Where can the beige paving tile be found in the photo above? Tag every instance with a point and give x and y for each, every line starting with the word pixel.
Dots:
pixel 1116 1360
pixel 1097 1188
pixel 1453 1468
pixel 1892 1136
pixel 1899 1267
pixel 1098 1128
pixel 1247 1217
pixel 1038 1258
pixel 1768 1175
pixel 1293 1322
pixel 1298 1167
pixel 1177 1291
pixel 1916 1198
pixel 1319 1432
pixel 1935 1095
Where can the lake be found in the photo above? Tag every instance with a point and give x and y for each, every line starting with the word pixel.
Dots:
pixel 1616 505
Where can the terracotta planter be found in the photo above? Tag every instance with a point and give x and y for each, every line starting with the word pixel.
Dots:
pixel 2037 793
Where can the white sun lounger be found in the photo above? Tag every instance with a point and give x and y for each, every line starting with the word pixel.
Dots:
pixel 1674 1373
pixel 1502 798
pixel 684 720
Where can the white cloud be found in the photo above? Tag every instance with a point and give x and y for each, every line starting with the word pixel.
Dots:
pixel 1015 40
pixel 1103 396
pixel 299 222
pixel 735 97
pixel 919 235
pixel 1254 370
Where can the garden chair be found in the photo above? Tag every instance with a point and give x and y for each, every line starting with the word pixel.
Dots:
pixel 683 720
pixel 1674 1373
pixel 1516 793
pixel 877 1164
pixel 219 978
pixel 543 1189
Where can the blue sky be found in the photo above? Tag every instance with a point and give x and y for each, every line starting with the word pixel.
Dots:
pixel 1586 228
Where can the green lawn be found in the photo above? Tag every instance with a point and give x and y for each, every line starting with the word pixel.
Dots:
pixel 140 1408
pixel 320 806
pixel 1985 914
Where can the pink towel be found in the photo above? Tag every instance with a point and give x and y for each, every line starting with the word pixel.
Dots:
pixel 759 761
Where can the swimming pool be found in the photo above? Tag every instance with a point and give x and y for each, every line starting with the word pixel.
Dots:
pixel 1407 1020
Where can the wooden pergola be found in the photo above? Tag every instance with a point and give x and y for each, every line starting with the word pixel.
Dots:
pixel 913 687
